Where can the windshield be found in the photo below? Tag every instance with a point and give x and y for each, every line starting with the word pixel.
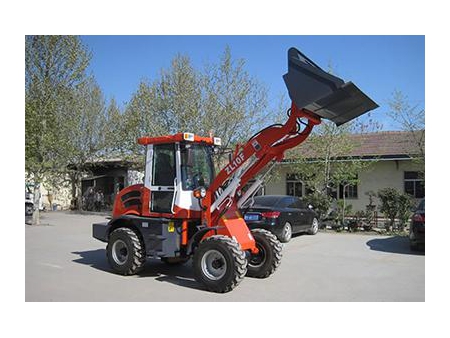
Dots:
pixel 196 166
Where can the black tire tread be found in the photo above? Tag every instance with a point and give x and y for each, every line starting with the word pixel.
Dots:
pixel 240 266
pixel 282 237
pixel 139 256
pixel 310 231
pixel 277 249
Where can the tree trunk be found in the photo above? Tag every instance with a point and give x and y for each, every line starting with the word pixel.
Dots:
pixel 36 197
pixel 79 192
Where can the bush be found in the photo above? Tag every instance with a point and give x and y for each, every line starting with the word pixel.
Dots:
pixel 388 198
pixel 395 204
pixel 405 203
pixel 320 202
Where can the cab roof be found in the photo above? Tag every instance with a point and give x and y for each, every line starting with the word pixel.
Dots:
pixel 180 137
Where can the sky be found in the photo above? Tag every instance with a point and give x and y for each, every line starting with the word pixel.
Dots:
pixel 378 65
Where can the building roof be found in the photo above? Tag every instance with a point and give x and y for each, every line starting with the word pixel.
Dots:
pixel 386 144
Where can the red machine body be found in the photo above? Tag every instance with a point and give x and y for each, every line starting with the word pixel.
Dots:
pixel 184 209
pixel 219 209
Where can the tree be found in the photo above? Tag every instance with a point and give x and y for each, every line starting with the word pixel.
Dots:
pixel 115 129
pixel 83 132
pixel 235 103
pixel 395 204
pixel 54 67
pixel 222 99
pixel 324 161
pixel 170 104
pixel 410 119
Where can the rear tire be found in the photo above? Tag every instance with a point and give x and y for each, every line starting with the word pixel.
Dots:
pixel 267 260
pixel 314 227
pixel 219 263
pixel 125 252
pixel 286 233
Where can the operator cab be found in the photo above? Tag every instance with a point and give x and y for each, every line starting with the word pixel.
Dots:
pixel 175 166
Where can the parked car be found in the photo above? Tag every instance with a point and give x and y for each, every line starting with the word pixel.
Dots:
pixel 281 215
pixel 417 228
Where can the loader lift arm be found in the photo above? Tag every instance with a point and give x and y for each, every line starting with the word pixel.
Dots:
pixel 315 94
pixel 265 146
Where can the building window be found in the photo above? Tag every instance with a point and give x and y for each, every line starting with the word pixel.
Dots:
pixel 294 186
pixel 414 184
pixel 350 191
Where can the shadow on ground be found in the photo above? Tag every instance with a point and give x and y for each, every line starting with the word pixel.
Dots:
pixel 181 275
pixel 395 244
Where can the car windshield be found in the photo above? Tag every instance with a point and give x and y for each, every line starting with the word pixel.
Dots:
pixel 267 201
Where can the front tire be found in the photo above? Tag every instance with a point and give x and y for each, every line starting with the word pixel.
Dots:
pixel 219 263
pixel 125 252
pixel 267 260
pixel 28 209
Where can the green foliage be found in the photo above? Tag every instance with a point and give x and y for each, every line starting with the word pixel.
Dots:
pixel 411 119
pixel 405 203
pixel 325 161
pixel 55 67
pixel 343 210
pixel 222 99
pixel 389 204
pixel 395 204
pixel 320 201
pixel 68 122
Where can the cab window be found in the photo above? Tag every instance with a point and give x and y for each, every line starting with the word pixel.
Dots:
pixel 196 166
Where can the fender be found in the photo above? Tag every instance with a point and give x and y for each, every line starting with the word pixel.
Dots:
pixel 197 237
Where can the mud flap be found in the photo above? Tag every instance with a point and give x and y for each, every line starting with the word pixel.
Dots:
pixel 323 94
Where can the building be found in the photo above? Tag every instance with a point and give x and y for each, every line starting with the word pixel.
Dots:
pixel 107 177
pixel 393 156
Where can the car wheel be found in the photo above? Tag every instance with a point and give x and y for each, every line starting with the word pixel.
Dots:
pixel 28 209
pixel 286 233
pixel 314 227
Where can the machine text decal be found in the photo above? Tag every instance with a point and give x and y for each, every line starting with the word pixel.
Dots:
pixel 235 163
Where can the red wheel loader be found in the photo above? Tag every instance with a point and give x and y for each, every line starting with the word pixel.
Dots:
pixel 182 210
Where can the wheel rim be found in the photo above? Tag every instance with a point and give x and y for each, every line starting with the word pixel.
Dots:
pixel 315 225
pixel 214 265
pixel 258 259
pixel 120 252
pixel 287 231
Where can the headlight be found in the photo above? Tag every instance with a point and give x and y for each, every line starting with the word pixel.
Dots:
pixel 200 192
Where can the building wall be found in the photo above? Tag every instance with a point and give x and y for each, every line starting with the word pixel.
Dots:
pixel 382 174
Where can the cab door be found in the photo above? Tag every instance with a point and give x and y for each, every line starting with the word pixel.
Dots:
pixel 161 178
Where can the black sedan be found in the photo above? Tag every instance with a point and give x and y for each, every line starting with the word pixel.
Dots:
pixel 417 228
pixel 281 215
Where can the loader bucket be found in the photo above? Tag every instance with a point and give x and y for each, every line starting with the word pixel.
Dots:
pixel 326 95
